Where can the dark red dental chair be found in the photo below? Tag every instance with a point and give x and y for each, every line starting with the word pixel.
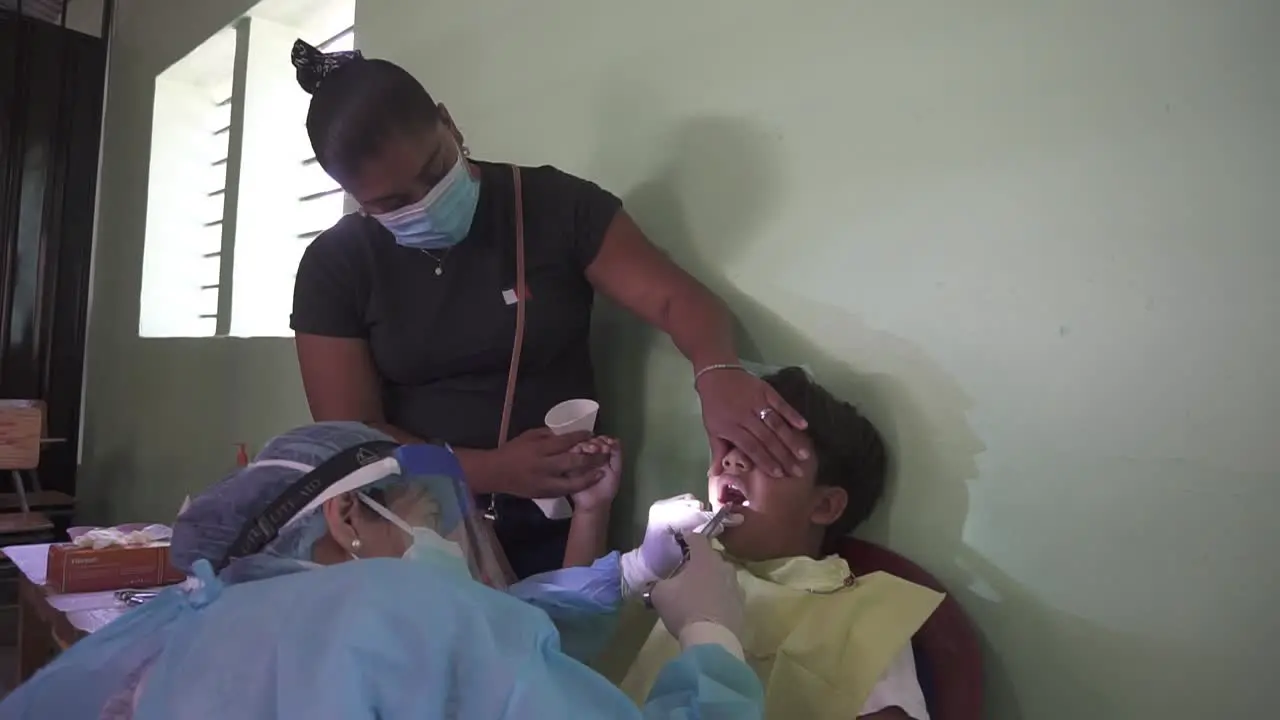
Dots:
pixel 948 657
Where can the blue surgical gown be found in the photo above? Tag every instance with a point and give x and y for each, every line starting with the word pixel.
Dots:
pixel 383 639
pixel 582 602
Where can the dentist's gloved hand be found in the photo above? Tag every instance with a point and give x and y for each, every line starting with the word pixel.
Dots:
pixel 703 603
pixel 660 555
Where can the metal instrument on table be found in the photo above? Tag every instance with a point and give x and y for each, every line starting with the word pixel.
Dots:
pixel 134 598
pixel 711 529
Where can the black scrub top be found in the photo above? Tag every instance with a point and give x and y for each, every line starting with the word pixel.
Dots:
pixel 442 343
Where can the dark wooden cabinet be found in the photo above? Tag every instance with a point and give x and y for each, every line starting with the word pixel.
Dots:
pixel 51 93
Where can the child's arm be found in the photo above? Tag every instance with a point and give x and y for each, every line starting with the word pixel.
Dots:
pixel 589 529
pixel 588 537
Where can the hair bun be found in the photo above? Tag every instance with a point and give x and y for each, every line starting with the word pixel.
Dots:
pixel 314 66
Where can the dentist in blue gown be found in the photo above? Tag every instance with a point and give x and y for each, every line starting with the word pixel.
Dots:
pixel 342 575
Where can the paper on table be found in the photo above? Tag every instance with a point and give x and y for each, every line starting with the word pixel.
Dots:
pixel 31 560
pixel 91 621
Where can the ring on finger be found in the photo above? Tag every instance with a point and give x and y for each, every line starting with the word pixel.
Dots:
pixel 764 414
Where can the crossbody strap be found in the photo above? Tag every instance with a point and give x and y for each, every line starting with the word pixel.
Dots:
pixel 513 372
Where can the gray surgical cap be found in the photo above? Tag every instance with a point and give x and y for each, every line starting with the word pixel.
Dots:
pixel 213 520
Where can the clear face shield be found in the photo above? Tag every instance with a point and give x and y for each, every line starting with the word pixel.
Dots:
pixel 448 521
pixel 452 513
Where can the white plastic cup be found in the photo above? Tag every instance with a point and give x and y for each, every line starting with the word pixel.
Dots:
pixel 573 416
pixel 567 417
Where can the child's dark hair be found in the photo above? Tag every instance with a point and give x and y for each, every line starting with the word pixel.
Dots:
pixel 356 105
pixel 849 450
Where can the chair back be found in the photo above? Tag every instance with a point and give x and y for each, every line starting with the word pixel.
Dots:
pixel 948 656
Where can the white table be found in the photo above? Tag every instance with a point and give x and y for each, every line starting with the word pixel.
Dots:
pixel 87 612
pixel 49 622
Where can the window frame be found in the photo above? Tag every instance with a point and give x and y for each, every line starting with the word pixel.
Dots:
pixel 209 299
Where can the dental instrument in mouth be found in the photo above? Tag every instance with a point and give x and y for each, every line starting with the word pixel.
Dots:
pixel 733 504
pixel 716 522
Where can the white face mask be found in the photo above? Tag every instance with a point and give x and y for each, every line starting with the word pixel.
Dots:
pixel 426 544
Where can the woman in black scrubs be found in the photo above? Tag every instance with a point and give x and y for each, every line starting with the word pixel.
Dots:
pixel 405 312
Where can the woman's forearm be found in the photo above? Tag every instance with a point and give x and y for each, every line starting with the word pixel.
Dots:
pixel 634 273
pixel 588 537
pixel 700 326
pixel 479 469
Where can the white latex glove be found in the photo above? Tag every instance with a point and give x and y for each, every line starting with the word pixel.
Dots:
pixel 703 603
pixel 660 555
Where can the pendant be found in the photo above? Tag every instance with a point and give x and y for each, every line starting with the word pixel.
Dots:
pixel 439 271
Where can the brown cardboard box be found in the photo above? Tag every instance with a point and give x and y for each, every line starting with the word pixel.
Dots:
pixel 75 570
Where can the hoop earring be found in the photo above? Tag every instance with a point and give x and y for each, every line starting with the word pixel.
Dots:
pixel 355 548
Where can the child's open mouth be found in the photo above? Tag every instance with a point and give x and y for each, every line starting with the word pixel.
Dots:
pixel 731 494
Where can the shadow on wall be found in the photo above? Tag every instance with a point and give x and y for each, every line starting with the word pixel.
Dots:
pixel 1079 664
pixel 703 209
pixel 704 206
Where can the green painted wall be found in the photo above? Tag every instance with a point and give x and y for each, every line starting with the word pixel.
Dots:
pixel 1038 245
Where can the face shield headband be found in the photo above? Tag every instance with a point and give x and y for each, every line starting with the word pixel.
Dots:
pixel 432 467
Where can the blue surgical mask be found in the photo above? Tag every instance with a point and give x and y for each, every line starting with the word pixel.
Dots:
pixel 442 218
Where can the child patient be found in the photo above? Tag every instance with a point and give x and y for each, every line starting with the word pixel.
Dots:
pixel 825 644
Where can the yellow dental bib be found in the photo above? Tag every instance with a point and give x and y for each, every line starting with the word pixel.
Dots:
pixel 818 640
